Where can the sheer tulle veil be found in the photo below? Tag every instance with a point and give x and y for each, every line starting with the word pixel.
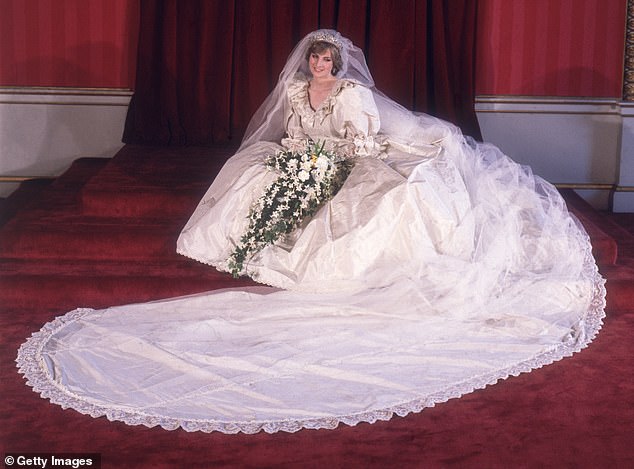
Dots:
pixel 402 125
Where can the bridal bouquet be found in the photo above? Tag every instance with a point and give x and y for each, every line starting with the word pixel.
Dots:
pixel 307 179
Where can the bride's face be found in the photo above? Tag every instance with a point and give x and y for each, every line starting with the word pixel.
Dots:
pixel 321 64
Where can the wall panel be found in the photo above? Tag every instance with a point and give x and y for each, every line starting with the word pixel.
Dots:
pixel 525 47
pixel 42 131
pixel 551 47
pixel 569 141
pixel 68 43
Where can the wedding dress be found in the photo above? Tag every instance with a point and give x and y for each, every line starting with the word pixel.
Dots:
pixel 440 267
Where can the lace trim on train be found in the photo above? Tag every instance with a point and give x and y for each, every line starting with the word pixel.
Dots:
pixel 31 364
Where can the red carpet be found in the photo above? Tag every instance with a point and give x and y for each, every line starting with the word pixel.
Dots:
pixel 104 234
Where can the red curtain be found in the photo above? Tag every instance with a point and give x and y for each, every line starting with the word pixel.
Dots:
pixel 205 66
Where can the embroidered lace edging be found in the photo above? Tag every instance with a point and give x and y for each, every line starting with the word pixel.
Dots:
pixel 31 365
pixel 222 267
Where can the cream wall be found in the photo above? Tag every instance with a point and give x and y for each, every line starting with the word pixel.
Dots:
pixel 586 144
pixel 572 142
pixel 43 130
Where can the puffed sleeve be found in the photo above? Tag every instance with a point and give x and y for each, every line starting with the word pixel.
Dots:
pixel 356 119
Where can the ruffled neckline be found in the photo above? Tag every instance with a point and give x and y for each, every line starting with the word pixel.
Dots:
pixel 300 100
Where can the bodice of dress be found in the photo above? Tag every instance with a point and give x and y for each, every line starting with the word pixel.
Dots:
pixel 347 120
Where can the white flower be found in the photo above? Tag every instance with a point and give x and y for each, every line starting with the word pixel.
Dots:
pixel 322 163
pixel 318 176
pixel 303 175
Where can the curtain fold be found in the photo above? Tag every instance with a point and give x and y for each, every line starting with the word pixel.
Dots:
pixel 204 67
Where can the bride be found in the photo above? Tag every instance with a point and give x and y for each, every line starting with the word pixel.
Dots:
pixel 438 267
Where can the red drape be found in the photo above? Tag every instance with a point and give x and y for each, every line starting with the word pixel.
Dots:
pixel 205 66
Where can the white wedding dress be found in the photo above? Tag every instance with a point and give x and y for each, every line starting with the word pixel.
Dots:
pixel 440 267
pixel 396 208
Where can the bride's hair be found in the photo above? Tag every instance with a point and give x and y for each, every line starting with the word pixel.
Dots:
pixel 318 47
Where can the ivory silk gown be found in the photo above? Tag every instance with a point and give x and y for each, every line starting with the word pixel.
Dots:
pixel 440 267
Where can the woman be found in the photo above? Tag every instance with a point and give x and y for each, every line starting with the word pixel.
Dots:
pixel 346 244
pixel 439 266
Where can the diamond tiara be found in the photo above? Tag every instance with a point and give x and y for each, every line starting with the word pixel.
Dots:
pixel 327 37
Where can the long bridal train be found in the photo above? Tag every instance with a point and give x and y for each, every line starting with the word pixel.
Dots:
pixel 429 328
pixel 326 361
pixel 440 266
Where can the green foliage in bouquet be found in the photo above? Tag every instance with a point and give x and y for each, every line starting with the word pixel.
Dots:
pixel 306 181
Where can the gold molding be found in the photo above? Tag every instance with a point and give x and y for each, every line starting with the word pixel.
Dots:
pixel 548 100
pixel 628 63
pixel 594 187
pixel 516 104
pixel 585 186
pixel 59 96
pixel 23 178
pixel 65 90
pixel 517 111
pixel 65 103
